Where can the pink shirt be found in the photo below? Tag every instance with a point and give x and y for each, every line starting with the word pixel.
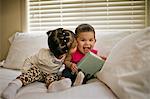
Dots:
pixel 77 56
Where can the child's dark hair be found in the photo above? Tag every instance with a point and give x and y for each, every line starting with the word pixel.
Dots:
pixel 84 28
pixel 60 41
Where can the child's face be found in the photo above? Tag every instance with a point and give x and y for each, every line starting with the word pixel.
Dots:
pixel 86 42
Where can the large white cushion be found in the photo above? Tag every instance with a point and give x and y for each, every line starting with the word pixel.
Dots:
pixel 106 41
pixel 127 69
pixel 22 46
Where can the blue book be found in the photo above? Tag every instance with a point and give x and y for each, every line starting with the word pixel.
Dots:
pixel 90 64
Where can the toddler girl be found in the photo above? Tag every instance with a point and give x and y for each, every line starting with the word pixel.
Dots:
pixel 44 65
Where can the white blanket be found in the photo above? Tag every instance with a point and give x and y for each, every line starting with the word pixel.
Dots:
pixel 37 90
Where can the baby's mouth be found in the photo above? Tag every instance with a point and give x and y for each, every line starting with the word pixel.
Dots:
pixel 86 49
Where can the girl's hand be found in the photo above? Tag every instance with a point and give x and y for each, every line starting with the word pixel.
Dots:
pixel 74 68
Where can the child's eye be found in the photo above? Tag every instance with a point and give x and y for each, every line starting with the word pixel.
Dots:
pixel 91 40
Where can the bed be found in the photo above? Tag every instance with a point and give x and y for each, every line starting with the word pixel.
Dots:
pixel 125 74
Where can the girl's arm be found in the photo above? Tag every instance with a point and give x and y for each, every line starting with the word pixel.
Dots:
pixel 70 64
pixel 67 61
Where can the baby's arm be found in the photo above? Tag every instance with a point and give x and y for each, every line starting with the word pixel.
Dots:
pixel 67 61
pixel 70 64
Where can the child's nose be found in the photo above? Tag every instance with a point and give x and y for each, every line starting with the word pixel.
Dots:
pixel 87 42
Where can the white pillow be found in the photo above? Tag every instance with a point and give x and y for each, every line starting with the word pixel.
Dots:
pixel 22 46
pixel 106 41
pixel 127 69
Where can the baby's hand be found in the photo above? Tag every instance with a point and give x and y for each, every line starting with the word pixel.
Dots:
pixel 103 57
pixel 74 68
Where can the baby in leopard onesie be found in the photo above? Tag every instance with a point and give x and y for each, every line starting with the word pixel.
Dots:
pixel 44 66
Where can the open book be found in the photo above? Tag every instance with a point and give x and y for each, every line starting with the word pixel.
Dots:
pixel 90 64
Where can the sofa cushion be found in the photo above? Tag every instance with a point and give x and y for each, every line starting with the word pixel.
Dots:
pixel 22 46
pixel 126 70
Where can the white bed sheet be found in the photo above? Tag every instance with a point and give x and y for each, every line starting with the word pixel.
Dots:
pixel 7 75
pixel 37 90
